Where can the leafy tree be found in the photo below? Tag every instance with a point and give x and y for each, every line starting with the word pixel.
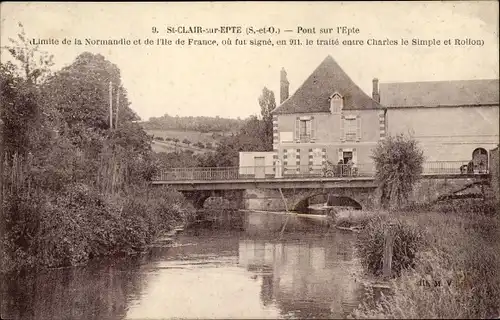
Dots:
pixel 80 92
pixel 267 104
pixel 34 63
pixel 186 141
pixel 399 164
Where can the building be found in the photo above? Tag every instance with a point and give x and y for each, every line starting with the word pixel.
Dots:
pixel 330 118
pixel 450 119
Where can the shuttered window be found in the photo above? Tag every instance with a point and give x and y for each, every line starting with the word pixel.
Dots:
pixel 313 126
pixel 351 129
pixel 358 128
pixel 342 135
pixel 297 129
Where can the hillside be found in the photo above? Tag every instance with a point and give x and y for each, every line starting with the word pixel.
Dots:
pixel 198 134
pixel 200 124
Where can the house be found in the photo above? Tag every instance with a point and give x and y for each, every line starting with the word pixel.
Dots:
pixel 329 118
pixel 451 120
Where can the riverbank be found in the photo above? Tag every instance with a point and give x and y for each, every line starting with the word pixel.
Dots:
pixel 79 224
pixel 455 271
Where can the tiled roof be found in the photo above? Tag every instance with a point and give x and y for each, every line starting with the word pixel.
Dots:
pixel 315 92
pixel 439 93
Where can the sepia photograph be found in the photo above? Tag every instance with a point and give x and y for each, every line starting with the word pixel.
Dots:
pixel 249 160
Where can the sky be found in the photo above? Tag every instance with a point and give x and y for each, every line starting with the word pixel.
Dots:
pixel 226 81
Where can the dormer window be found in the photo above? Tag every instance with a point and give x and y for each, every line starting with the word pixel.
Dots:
pixel 336 103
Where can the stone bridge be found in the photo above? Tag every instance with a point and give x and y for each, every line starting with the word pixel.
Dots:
pixel 358 195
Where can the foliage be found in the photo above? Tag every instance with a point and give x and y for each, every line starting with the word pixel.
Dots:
pixel 202 124
pixel 460 254
pixel 408 239
pixel 267 104
pixel 34 64
pixel 398 163
pixel 74 189
pixel 80 92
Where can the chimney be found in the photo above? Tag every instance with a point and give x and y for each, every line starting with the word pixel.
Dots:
pixel 284 86
pixel 375 93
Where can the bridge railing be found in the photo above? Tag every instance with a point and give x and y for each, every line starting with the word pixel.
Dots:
pixel 265 172
pixel 291 171
pixel 449 167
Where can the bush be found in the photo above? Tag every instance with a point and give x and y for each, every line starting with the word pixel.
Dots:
pixel 398 163
pixel 461 251
pixel 77 224
pixel 408 240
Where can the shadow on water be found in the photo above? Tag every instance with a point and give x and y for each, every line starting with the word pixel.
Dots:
pixel 208 272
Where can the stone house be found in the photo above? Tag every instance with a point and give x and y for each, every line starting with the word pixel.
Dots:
pixel 330 118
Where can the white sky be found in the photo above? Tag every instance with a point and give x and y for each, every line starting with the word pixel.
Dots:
pixel 226 81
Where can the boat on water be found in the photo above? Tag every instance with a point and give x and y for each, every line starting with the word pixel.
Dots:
pixel 273 221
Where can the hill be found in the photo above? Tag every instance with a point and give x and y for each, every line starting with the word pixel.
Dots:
pixel 198 134
pixel 200 124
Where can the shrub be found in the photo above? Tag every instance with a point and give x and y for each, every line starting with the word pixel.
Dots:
pixel 398 163
pixel 461 251
pixel 408 239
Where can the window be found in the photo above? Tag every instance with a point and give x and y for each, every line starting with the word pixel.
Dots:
pixel 305 129
pixel 336 103
pixel 350 129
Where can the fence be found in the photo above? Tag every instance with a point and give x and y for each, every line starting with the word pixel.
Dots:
pixel 266 172
pixel 302 171
pixel 450 167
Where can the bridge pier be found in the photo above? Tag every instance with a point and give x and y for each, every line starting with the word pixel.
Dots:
pixel 271 200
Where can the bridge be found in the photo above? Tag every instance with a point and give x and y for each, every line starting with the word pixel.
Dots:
pixel 263 187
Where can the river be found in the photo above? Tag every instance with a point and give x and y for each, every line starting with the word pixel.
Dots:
pixel 205 273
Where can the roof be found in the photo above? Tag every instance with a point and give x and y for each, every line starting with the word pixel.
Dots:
pixel 314 94
pixel 439 93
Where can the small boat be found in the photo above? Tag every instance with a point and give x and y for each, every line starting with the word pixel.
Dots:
pixel 273 221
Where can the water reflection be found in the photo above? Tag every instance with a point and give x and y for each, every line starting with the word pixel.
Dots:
pixel 306 279
pixel 214 274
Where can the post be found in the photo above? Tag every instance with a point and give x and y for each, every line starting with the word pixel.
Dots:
pixel 110 105
pixel 388 246
pixel 117 106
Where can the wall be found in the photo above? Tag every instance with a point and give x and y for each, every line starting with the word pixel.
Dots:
pixel 447 133
pixel 326 136
pixel 327 126
pixel 247 162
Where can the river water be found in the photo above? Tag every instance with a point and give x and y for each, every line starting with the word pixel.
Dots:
pixel 205 273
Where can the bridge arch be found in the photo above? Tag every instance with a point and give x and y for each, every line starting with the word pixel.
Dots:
pixel 480 159
pixel 301 201
pixel 214 199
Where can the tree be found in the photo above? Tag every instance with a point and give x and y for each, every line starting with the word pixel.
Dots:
pixel 267 104
pixel 186 141
pixel 34 63
pixel 399 164
pixel 80 92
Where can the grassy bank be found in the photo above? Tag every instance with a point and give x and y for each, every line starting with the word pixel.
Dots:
pixel 451 271
pixel 70 227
